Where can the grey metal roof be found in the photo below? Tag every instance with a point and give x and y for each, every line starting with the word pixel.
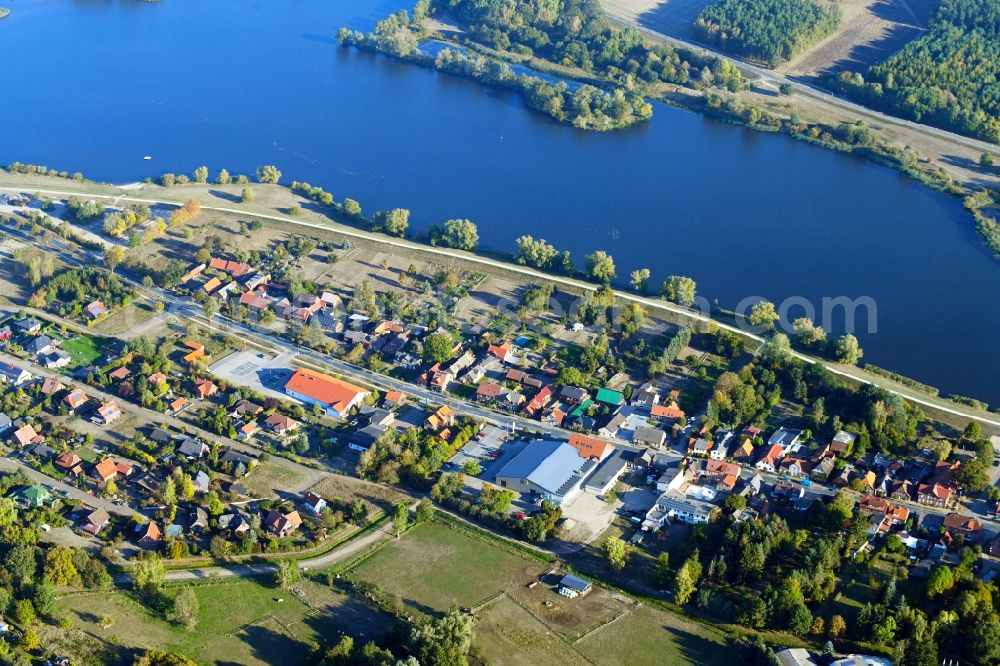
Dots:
pixel 609 470
pixel 548 464
pixel 575 583
pixel 784 436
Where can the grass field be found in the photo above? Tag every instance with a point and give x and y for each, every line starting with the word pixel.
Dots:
pixel 434 567
pixel 126 321
pixel 268 479
pixel 239 623
pixel 511 635
pixel 82 349
pixel 649 636
pixel 347 489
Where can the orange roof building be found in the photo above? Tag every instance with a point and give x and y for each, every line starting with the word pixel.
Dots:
pixel 197 351
pixel 441 418
pixel 335 396
pixel 589 447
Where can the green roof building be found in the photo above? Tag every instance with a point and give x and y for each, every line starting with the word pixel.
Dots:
pixel 35 495
pixel 610 397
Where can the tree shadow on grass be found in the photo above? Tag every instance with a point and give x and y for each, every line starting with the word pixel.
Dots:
pixel 274 647
pixel 226 196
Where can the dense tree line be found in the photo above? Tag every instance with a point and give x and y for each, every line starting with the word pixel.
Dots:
pixel 949 77
pixel 572 33
pixel 771 31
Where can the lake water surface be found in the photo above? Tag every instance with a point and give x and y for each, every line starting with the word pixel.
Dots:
pixel 94 85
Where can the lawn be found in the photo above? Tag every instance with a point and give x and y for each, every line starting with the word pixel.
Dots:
pixel 83 351
pixel 338 487
pixel 650 636
pixel 239 622
pixel 435 567
pixel 268 479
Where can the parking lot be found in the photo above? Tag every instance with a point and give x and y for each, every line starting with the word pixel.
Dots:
pixel 486 450
pixel 260 372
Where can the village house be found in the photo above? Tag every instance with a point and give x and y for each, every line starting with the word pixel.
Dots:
pixel 442 417
pixel 95 310
pixel 109 412
pixel 54 358
pixel 723 440
pixel 105 471
pixel 609 397
pixel 282 524
pixel 511 401
pixel 786 438
pixel 822 469
pixel 646 436
pixel 667 413
pixel 26 435
pixel 119 374
pixel 202 482
pixel 646 396
pixel 794 467
pixel 488 392
pixel 244 409
pixel 934 494
pixel 901 491
pixel 205 388
pixel 393 399
pixel 27 326
pixel 699 446
pixel 968 527
pixel 281 424
pixel 538 401
pixel 504 353
pixel 743 451
pixel 148 535
pixel 192 448
pixel 13 375
pixel 669 507
pixel 842 443
pixel 95 521
pixel 70 463
pixel 38 345
pixel 769 459
pixel 314 503
pixel 51 386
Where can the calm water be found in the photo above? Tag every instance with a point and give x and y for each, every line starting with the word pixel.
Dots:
pixel 97 84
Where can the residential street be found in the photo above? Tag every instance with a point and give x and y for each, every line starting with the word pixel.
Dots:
pixel 309 475
pixel 12 465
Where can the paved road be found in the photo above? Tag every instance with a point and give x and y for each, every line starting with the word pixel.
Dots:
pixel 11 465
pixel 799 84
pixel 652 303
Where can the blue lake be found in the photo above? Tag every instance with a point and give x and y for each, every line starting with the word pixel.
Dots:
pixel 95 85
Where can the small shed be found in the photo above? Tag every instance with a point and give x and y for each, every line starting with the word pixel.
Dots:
pixel 572 586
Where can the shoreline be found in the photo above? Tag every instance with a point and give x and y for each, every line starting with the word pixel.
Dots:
pixel 869 143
